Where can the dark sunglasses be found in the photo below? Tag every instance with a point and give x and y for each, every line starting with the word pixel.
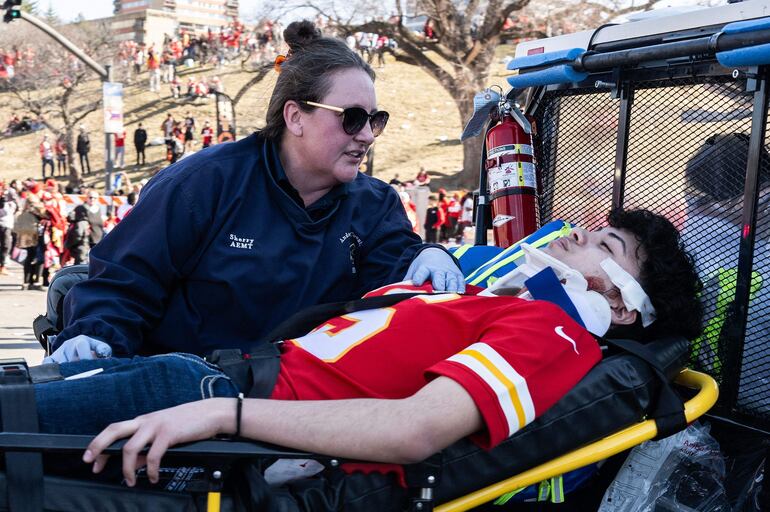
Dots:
pixel 355 118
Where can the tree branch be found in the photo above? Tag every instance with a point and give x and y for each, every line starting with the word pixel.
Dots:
pixel 510 8
pixel 470 9
pixel 451 28
pixel 89 110
pixel 604 9
pixel 264 70
pixel 436 71
pixel 313 7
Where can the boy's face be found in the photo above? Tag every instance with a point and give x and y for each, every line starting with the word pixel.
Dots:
pixel 585 250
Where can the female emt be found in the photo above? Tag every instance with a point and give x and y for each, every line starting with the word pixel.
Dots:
pixel 227 243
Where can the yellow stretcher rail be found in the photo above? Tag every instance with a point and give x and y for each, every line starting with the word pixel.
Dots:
pixel 214 502
pixel 706 397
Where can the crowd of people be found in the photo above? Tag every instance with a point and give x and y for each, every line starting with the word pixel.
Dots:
pixel 257 46
pixel 181 136
pixel 41 231
pixel 195 87
pixel 11 59
pixel 19 125
pixel 54 153
pixel 370 44
pixel 162 68
pixel 447 215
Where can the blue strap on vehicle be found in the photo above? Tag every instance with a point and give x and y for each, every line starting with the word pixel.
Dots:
pixel 546 69
pixel 746 26
pixel 753 55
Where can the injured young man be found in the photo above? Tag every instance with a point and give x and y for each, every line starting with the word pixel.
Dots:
pixel 396 384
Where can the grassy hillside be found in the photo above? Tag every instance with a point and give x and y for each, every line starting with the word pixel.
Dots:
pixel 424 126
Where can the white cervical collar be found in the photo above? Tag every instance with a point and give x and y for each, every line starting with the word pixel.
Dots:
pixel 592 307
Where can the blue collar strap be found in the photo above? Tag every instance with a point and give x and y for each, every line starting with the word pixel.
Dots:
pixel 546 286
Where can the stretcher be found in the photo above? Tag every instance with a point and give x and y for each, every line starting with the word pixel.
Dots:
pixel 621 391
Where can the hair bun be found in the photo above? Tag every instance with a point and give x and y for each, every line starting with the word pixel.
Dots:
pixel 299 33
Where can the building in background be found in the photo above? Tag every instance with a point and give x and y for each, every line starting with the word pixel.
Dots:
pixel 148 21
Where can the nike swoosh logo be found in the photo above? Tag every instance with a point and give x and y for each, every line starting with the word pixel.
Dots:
pixel 559 330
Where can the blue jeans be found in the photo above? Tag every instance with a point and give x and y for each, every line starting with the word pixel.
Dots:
pixel 125 389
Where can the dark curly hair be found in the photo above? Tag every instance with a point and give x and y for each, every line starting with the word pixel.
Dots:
pixel 667 275
pixel 306 72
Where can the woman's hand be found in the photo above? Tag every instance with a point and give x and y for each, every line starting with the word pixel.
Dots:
pixel 160 430
pixel 438 266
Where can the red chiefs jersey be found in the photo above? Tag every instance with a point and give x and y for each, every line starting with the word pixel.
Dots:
pixel 515 358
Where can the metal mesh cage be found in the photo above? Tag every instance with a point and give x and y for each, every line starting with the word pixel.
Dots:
pixel 754 383
pixel 682 141
pixel 576 155
pixel 686 159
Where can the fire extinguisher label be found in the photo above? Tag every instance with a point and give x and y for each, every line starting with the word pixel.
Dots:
pixel 511 149
pixel 501 219
pixel 512 174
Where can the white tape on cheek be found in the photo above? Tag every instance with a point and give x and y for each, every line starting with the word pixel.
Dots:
pixel 632 293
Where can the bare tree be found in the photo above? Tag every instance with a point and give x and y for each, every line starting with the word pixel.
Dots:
pixel 50 83
pixel 466 33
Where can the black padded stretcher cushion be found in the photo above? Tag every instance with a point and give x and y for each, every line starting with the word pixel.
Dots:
pixel 615 394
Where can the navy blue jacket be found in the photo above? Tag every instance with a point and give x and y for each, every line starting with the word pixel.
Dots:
pixel 215 254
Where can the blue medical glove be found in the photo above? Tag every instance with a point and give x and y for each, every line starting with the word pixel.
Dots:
pixel 439 266
pixel 79 348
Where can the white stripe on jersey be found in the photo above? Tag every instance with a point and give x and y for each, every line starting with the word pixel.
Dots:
pixel 507 384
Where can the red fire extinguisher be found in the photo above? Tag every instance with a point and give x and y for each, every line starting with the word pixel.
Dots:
pixel 512 178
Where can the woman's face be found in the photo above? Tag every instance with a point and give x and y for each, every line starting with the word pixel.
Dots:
pixel 331 152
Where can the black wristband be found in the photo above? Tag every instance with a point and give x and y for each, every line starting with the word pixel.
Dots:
pixel 238 412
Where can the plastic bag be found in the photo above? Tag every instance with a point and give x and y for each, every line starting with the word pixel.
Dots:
pixel 682 473
pixel 19 255
pixel 750 497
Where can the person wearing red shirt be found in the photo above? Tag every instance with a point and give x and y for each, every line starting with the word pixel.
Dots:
pixel 434 219
pixel 7 62
pixel 454 208
pixel 60 149
pixel 397 384
pixel 153 68
pixel 207 134
pixel 443 206
pixel 422 179
pixel 120 149
pixel 46 154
